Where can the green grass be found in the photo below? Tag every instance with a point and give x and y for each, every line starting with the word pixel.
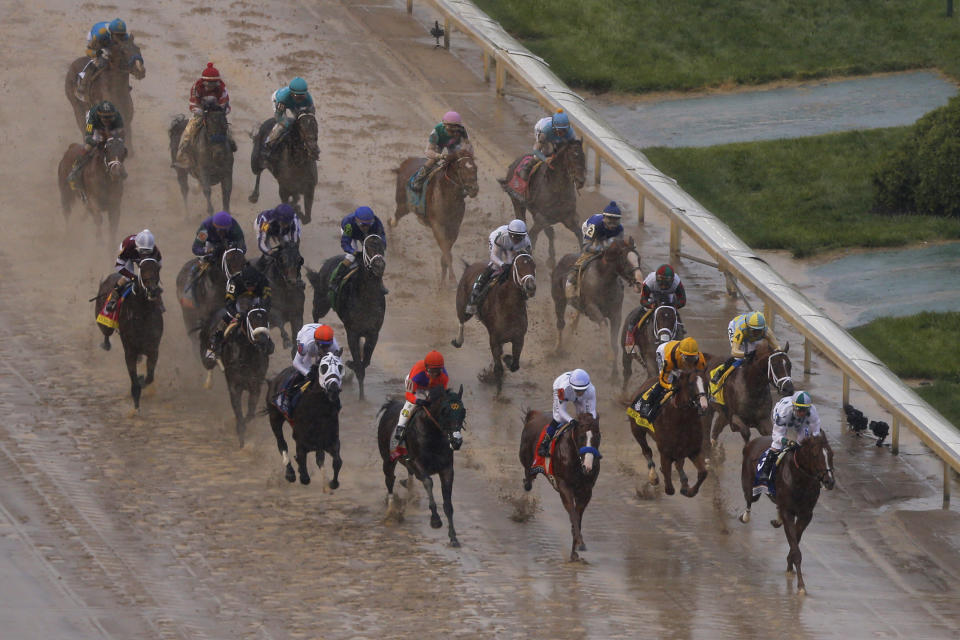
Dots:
pixel 925 346
pixel 805 195
pixel 655 45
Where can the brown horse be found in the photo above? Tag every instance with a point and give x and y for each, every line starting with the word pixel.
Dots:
pixel 748 402
pixel 112 83
pixel 552 193
pixel 677 432
pixel 601 289
pixel 295 164
pixel 503 311
pixel 662 325
pixel 576 465
pixel 797 480
pixel 101 180
pixel 444 200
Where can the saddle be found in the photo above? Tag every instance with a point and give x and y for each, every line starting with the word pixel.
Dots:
pixel 517 186
pixel 288 397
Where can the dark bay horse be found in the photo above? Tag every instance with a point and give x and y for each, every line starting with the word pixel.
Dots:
pixel 101 179
pixel 601 288
pixel 212 156
pixel 503 311
pixel 282 270
pixel 552 193
pixel 295 165
pixel 112 83
pixel 678 432
pixel 662 325
pixel 748 402
pixel 315 420
pixel 140 323
pixel 797 480
pixel 432 435
pixel 444 200
pixel 576 466
pixel 361 304
pixel 201 286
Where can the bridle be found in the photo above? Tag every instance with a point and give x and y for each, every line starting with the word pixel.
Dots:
pixel 371 255
pixel 147 290
pixel 775 380
pixel 223 262
pixel 519 280
pixel 828 470
pixel 253 332
pixel 456 179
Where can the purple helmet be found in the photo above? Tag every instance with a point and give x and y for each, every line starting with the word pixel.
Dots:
pixel 222 220
pixel 285 213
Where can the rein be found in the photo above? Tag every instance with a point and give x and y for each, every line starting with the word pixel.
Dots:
pixel 818 477
pixel 777 382
pixel 517 278
pixel 369 256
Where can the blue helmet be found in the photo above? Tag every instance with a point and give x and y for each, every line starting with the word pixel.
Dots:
pixel 579 380
pixel 298 86
pixel 560 121
pixel 364 215
pixel 222 220
pixel 612 210
pixel 117 27
pixel 285 213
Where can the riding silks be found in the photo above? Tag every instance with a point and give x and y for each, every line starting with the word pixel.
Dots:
pixel 110 319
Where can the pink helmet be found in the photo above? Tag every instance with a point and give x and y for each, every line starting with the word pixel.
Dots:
pixel 452 117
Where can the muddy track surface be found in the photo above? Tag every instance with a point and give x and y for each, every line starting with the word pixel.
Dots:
pixel 160 526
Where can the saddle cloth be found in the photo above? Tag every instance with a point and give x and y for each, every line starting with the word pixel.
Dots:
pixel 770 487
pixel 716 388
pixel 111 319
pixel 541 464
pixel 632 337
pixel 517 187
pixel 416 201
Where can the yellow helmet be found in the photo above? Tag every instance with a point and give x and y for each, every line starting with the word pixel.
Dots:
pixel 688 347
pixel 756 325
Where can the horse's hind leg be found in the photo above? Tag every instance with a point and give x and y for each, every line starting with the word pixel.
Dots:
pixel 551 254
pixel 446 491
pixel 582 502
pixel 276 425
pixel 255 195
pixel 207 193
pixel 682 475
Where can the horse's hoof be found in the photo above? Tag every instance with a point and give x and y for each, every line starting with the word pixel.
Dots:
pixel 574 557
pixel 527 485
pixel 392 222
pixel 582 547
pixel 669 491
pixel 454 543
pixel 456 344
pixel 105 345
pixel 435 522
pixel 290 475
pixel 304 478
pixel 802 591
pixel 134 413
pixel 744 517
pixel 776 524
pixel 253 197
pixel 334 484
pixel 685 492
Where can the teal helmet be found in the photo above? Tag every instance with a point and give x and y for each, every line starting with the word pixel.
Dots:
pixel 117 27
pixel 298 86
pixel 560 121
pixel 801 403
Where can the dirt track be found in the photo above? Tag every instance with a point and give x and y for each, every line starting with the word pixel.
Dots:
pixel 159 526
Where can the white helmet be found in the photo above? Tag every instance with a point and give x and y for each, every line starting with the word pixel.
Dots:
pixel 517 226
pixel 144 241
pixel 579 380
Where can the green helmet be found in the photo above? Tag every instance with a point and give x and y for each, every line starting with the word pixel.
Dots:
pixel 106 110
pixel 298 86
pixel 118 27
pixel 801 403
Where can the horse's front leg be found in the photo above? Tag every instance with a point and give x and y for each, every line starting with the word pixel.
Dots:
pixel 276 425
pixel 582 501
pixel 795 557
pixel 446 492
pixel 435 520
pixel 207 193
pixel 496 349
pixel 701 465
pixel 130 358
pixel 682 475
pixel 334 451
pixel 652 476
pixel 226 188
pixel 255 195
pixel 236 402
pixel 665 466
pixel 302 463
pixel 551 253
pixel 151 366
pixel 570 504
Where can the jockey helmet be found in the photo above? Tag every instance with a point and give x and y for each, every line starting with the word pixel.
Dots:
pixel 517 229
pixel 611 211
pixel 249 275
pixel 452 117
pixel 117 27
pixel 560 121
pixel 210 73
pixel 801 404
pixel 144 242
pixel 579 380
pixel 664 276
pixel 222 220
pixel 756 325
pixel 690 351
pixel 106 110
pixel 433 362
pixel 298 86
pixel 285 213
pixel 364 215
pixel 323 335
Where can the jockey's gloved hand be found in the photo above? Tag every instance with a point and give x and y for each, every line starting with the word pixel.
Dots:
pixel 573 423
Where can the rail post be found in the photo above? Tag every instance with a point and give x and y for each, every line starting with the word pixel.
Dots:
pixel 946 485
pixel 486 66
pixel 641 204
pixel 674 241
pixel 845 398
pixel 446 33
pixel 806 356
pixel 501 76
pixel 596 166
pixel 895 438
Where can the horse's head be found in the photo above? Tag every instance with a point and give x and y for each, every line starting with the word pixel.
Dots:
pixel 257 326
pixel 126 56
pixel 625 258
pixel 664 323
pixel 693 391
pixel 373 260
pixel 461 169
pixel 525 274
pixel 232 261
pixel 330 374
pixel 215 124
pixel 449 413
pixel 114 153
pixel 815 457
pixel 288 262
pixel 307 131
pixel 586 436
pixel 148 278
pixel 779 368
pixel 573 162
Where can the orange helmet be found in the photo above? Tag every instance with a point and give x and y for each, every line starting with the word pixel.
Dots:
pixel 323 334
pixel 433 360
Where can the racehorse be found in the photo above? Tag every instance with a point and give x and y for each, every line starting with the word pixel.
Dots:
pixel 576 465
pixel 678 433
pixel 746 392
pixel 804 468
pixel 294 165
pixel 244 358
pixel 140 323
pixel 360 302
pixel 101 179
pixel 315 420
pixel 444 200
pixel 282 269
pixel 552 193
pixel 112 83
pixel 433 434
pixel 641 344
pixel 201 286
pixel 600 289
pixel 213 157
pixel 503 310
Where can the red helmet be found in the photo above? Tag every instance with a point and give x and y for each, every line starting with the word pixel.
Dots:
pixel 323 334
pixel 210 73
pixel 433 360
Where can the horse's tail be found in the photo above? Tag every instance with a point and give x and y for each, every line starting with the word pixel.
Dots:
pixel 386 405
pixel 527 413
pixel 316 280
pixel 177 125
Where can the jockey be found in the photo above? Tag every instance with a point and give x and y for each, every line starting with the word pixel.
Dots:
pixel 103 122
pixel 294 98
pixel 314 341
pixel 549 134
pixel 445 138
pixel 506 243
pixel 599 232
pixel 663 286
pixel 209 89
pixel 795 419
pixel 133 249
pixel 275 227
pixel 575 387
pixel 745 333
pixel 100 40
pixel 354 229
pixel 249 283
pixel 674 358
pixel 427 377
pixel 215 234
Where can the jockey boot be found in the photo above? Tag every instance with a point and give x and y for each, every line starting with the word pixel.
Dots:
pixel 73 178
pixel 769 462
pixel 231 141
pixel 419 179
pixel 723 368
pixel 544 449
pixel 113 299
pixel 397 449
pixel 478 287
pixel 570 288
